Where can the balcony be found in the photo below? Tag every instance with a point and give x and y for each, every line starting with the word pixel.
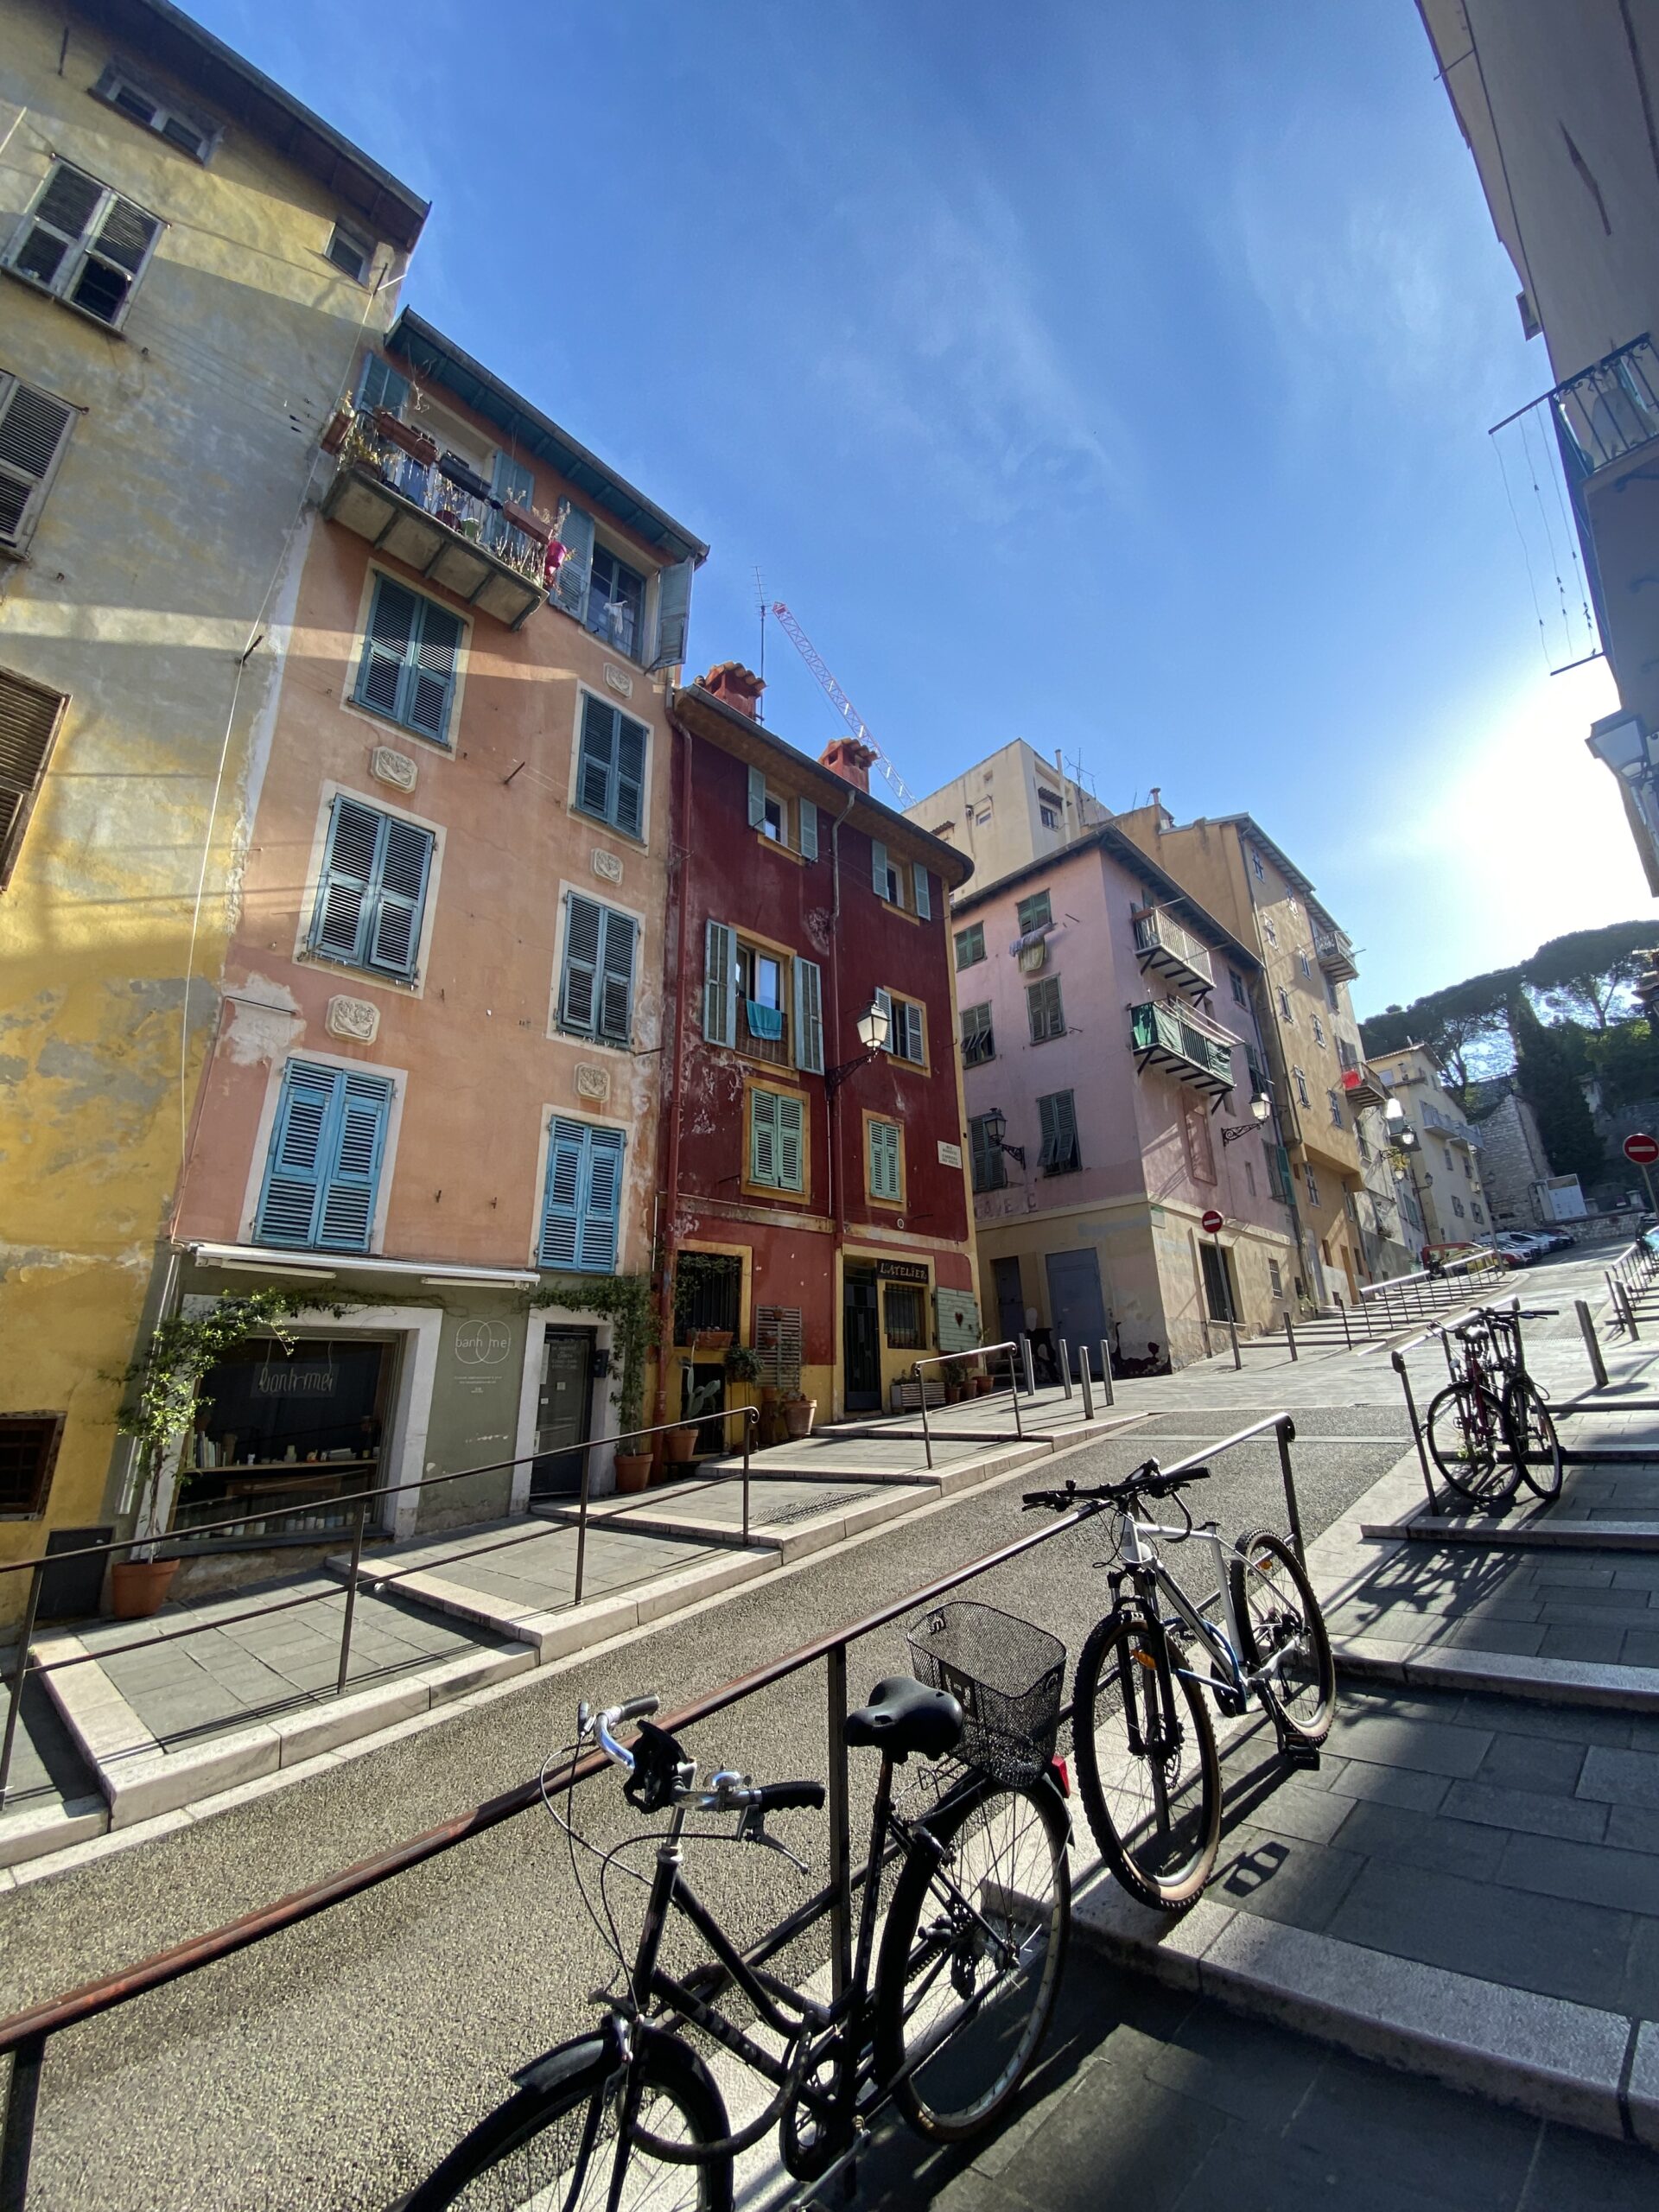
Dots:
pixel 1164 949
pixel 1361 1089
pixel 1611 409
pixel 1334 950
pixel 1163 1037
pixel 436 516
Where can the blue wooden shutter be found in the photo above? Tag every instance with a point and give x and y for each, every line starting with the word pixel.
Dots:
pixel 386 649
pixel 673 615
pixel 923 891
pixel 362 1107
pixel 809 830
pixel 567 1153
pixel 346 893
pixel 324 1168
pixel 616 977
pixel 809 1016
pixel 584 920
pixel 405 859
pixel 379 385
pixel 757 800
pixel 790 1119
pixel 294 1169
pixel 601 1212
pixel 719 993
pixel 763 1136
pixel 628 803
pixel 596 761
pixel 511 479
pixel 878 868
pixel 430 681
pixel 570 585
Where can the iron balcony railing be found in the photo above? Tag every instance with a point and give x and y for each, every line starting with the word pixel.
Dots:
pixel 480 519
pixel 1163 1037
pixel 1610 409
pixel 1334 951
pixel 1162 943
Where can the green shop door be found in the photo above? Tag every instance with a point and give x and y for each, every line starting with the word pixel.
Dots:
pixel 563 1410
pixel 861 1337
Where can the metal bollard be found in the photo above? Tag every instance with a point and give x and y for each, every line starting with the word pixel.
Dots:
pixel 1065 1367
pixel 1031 1372
pixel 1290 1335
pixel 1347 1333
pixel 1629 1314
pixel 1591 1343
pixel 1107 1394
pixel 1088 1385
pixel 1232 1337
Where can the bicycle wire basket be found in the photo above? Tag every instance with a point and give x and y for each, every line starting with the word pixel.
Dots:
pixel 1005 1674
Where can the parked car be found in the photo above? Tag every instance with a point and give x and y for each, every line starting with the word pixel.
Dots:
pixel 1521 1247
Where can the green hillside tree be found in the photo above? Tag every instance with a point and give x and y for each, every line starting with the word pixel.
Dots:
pixel 1544 1065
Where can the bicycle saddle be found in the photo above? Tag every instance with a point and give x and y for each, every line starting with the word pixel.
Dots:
pixel 903 1716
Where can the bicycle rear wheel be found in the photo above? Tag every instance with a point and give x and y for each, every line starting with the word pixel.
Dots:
pixel 1467 1442
pixel 1147 1763
pixel 1279 1617
pixel 1533 1440
pixel 552 2148
pixel 971 1958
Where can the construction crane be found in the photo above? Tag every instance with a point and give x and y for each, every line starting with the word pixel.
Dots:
pixel 838 699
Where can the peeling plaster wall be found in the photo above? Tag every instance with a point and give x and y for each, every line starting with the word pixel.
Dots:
pixel 158 561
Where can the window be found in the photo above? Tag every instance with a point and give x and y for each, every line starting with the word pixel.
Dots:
pixel 409 659
pixel 349 252
pixel 884 1162
pixel 1250 1177
pixel 28 1447
pixel 1300 1081
pixel 971 945
pixel 1334 1099
pixel 581 1204
pixel 34 431
pixel 1458 1208
pixel 1445 1159
pixel 1319 1031
pixel 1256 868
pixel 596 982
pixel 769 813
pixel 777 1140
pixel 906 1316
pixel 1312 1184
pixel 907 1032
pixel 379 385
pixel 1043 1007
pixel 1268 930
pixel 323 1173
pixel 611 766
pixel 1236 983
pixel 83 243
pixel 1474 1208
pixel 1058 1117
pixel 155 111
pixel 708 1294
pixel 1275 1281
pixel 616 601
pixel 984 815
pixel 29 715
pixel 1284 1014
pixel 990 1164
pixel 1200 1145
pixel 1304 963
pixel 372 895
pixel 761 979
pixel 1034 913
pixel 885 879
pixel 1048 817
pixel 1290 902
pixel 978 1042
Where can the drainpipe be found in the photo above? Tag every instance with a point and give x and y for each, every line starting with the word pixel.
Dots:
pixel 678 864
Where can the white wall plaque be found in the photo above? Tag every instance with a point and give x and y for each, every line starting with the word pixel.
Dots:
pixel 619 679
pixel 359 1020
pixel 591 1081
pixel 950 1154
pixel 390 767
pixel 607 865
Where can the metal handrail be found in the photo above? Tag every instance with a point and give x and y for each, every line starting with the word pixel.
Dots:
pixel 24 2034
pixel 26 1664
pixel 979 1351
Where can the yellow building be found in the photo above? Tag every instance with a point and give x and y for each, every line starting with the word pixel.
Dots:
pixel 1233 867
pixel 190 260
pixel 1442 1167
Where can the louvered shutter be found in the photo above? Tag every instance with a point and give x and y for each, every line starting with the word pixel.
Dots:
pixel 596 760
pixel 46 246
pixel 570 585
pixel 616 977
pixel 567 1152
pixel 719 995
pixel 884 1161
pixel 878 868
pixel 405 859
pixel 392 614
pixel 673 615
pixel 584 920
pixel 912 1046
pixel 511 479
pixel 809 1016
pixel 763 1137
pixel 29 722
pixel 33 430
pixel 883 1003
pixel 757 800
pixel 362 1108
pixel 343 915
pixel 380 386
pixel 923 891
pixel 790 1119
pixel 431 679
pixel 119 250
pixel 628 811
pixel 809 814
pixel 602 1205
pixel 294 1172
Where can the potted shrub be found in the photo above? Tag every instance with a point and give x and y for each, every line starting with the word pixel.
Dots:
pixel 679 1444
pixel 633 1471
pixel 742 1364
pixel 800 1413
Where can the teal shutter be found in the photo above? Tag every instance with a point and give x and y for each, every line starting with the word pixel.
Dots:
pixel 511 479
pixel 409 663
pixel 757 800
pixel 379 385
pixel 1057 1118
pixel 430 683
pixel 570 585
pixel 791 1120
pixel 405 861
pixel 923 891
pixel 878 868
pixel 386 647
pixel 362 1109
pixel 323 1173
pixel 884 1161
pixel 345 893
pixel 293 1171
pixel 611 766
pixel 673 615
pixel 719 994
pixel 763 1136
pixel 616 977
pixel 579 991
pixel 955 1319
pixel 809 830
pixel 628 807
pixel 372 893
pixel 601 1212
pixel 809 1016
pixel 567 1160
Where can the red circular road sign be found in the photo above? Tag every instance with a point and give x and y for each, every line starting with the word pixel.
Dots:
pixel 1643 1150
pixel 1214 1223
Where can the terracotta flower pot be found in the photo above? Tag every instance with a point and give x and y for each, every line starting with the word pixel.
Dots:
pixel 416 443
pixel 679 1446
pixel 340 424
pixel 800 1413
pixel 633 1471
pixel 138 1587
pixel 711 1340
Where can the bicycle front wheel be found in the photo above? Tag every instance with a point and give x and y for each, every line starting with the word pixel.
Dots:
pixel 1147 1763
pixel 971 1958
pixel 553 2148
pixel 1279 1618
pixel 1534 1443
pixel 1467 1442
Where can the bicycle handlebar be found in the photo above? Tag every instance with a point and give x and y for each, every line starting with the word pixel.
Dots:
pixel 726 1792
pixel 613 1717
pixel 1147 1481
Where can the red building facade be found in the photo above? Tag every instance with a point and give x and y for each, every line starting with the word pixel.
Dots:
pixel 814 1201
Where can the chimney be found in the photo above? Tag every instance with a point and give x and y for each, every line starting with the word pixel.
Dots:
pixel 735 686
pixel 849 759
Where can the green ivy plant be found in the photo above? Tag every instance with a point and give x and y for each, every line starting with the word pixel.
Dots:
pixel 625 1302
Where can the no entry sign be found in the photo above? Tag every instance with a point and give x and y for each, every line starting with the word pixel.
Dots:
pixel 1642 1151
pixel 1214 1223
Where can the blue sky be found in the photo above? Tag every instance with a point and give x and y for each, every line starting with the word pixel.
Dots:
pixel 1110 376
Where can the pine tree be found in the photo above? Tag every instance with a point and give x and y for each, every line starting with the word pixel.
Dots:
pixel 1545 1067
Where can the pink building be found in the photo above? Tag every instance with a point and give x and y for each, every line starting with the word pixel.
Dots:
pixel 1111 1059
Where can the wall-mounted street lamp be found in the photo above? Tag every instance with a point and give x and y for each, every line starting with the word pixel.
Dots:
pixel 1261 1107
pixel 874 1029
pixel 995 1125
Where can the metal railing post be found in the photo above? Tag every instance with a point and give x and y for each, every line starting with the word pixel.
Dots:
pixel 1031 1372
pixel 16 1702
pixel 927 1434
pixel 1066 1366
pixel 23 2094
pixel 1347 1333
pixel 1396 1360
pixel 841 1842
pixel 748 1430
pixel 1013 1394
pixel 351 1599
pixel 1232 1337
pixel 582 1518
pixel 1591 1343
pixel 1290 1336
pixel 1629 1314
pixel 1286 1432
pixel 1086 1381
pixel 1107 1395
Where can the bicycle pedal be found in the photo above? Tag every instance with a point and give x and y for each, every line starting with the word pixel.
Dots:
pixel 1301 1758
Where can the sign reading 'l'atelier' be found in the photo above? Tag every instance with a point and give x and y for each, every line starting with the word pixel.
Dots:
pixel 901 1271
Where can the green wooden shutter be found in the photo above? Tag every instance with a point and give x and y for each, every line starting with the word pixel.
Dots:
pixel 576 570
pixel 584 921
pixel 393 613
pixel 596 763
pixel 883 1003
pixel 809 1016
pixel 512 480
pixel 923 891
pixel 429 682
pixel 629 805
pixel 362 1110
pixel 673 615
pixel 616 977
pixel 757 800
pixel 719 994
pixel 763 1136
pixel 809 818
pixel 884 1161
pixel 878 868
pixel 379 385
pixel 791 1143
pixel 405 861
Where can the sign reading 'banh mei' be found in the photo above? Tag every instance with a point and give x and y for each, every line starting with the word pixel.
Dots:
pixel 901 1271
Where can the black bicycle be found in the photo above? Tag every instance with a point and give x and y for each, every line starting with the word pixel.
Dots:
pixel 1490 1429
pixel 947 2023
pixel 1147 1764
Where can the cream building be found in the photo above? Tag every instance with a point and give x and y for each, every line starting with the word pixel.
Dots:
pixel 1442 1170
pixel 1009 809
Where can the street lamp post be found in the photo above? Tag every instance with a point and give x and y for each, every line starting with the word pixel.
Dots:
pixel 1261 1107
pixel 874 1030
pixel 995 1125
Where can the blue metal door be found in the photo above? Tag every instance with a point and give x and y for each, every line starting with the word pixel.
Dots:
pixel 1076 1310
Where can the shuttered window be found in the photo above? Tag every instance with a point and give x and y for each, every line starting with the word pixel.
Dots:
pixel 33 430
pixel 886 1172
pixel 971 945
pixel 323 1174
pixel 83 243
pixel 410 659
pixel 719 984
pixel 777 1140
pixel 1036 912
pixel 904 1030
pixel 371 896
pixel 581 1206
pixel 611 766
pixel 990 1164
pixel 379 385
pixel 1058 1119
pixel 673 615
pixel 808 819
pixel 924 888
pixel 1043 1007
pixel 575 571
pixel 809 1016
pixel 29 715
pixel 978 1038
pixel 155 111
pixel 596 982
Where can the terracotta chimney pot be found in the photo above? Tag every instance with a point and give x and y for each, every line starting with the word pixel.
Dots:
pixel 734 686
pixel 849 759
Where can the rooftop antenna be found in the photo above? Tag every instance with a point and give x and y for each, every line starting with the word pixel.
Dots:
pixel 760 609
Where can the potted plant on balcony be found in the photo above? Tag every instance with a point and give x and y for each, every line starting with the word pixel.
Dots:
pixel 416 443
